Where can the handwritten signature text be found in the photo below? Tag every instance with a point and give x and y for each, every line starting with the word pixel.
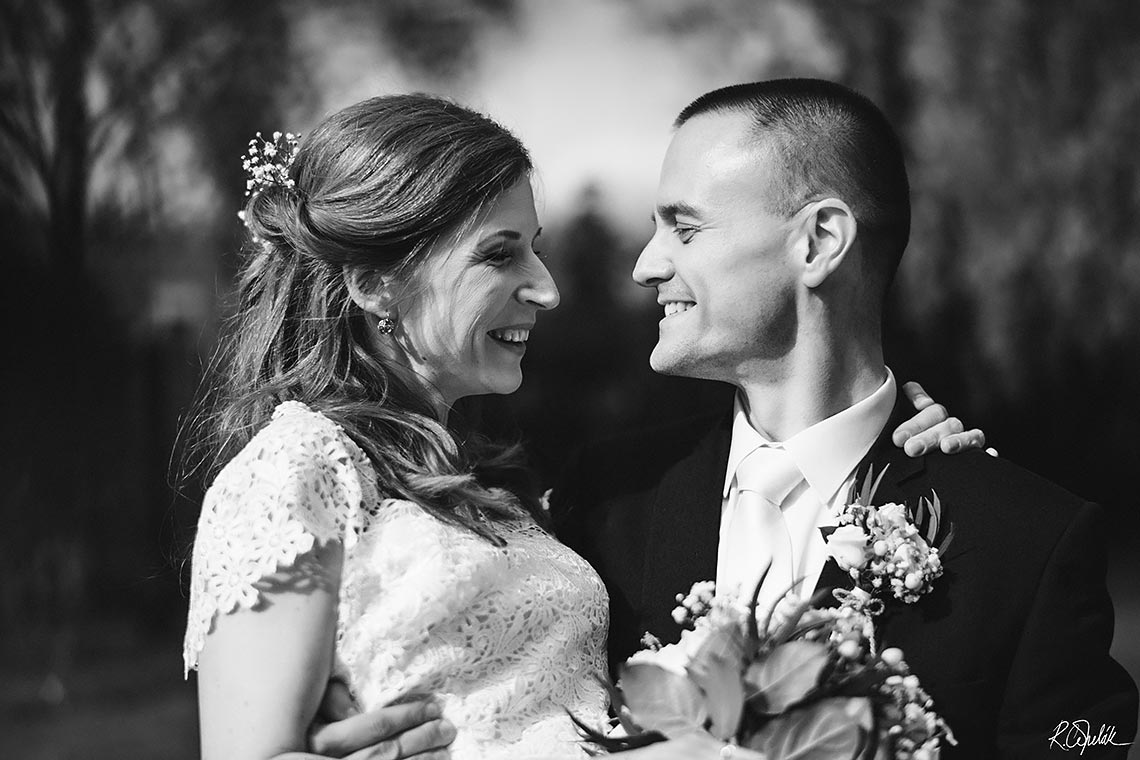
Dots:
pixel 1078 734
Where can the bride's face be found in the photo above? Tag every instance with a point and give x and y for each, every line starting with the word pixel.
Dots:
pixel 466 324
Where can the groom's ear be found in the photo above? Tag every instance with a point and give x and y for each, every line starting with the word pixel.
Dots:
pixel 830 232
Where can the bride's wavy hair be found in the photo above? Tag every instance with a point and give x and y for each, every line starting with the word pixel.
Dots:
pixel 375 186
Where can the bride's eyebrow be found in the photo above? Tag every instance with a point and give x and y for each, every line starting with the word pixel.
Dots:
pixel 496 238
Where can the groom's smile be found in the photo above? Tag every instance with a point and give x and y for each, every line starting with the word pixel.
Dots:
pixel 674 307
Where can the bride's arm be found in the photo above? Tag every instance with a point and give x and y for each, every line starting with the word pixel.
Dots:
pixel 262 672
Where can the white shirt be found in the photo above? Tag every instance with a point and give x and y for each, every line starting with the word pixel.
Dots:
pixel 827 453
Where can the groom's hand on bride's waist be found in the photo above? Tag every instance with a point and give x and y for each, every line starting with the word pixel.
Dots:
pixel 407 730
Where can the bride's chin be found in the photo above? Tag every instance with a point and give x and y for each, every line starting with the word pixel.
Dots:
pixel 507 385
pixel 510 388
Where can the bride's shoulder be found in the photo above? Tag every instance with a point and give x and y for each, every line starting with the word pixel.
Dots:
pixel 299 436
pixel 295 423
pixel 298 444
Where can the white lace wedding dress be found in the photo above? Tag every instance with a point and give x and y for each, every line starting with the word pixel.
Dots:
pixel 509 639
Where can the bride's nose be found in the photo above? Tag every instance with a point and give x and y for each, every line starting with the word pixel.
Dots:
pixel 539 289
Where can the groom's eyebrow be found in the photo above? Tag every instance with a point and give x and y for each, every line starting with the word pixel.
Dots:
pixel 670 211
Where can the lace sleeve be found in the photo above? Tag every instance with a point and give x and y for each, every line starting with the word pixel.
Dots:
pixel 301 482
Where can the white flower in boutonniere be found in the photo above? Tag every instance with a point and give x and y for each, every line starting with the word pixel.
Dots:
pixel 885 548
pixel 849 546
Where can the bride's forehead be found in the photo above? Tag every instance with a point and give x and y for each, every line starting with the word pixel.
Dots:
pixel 514 212
pixel 516 204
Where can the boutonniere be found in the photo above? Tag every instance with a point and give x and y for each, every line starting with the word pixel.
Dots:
pixel 887 550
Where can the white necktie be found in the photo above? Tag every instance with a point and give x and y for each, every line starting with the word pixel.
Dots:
pixel 756 535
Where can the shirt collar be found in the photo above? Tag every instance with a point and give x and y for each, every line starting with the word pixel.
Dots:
pixel 828 451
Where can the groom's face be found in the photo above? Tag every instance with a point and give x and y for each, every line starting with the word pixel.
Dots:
pixel 720 255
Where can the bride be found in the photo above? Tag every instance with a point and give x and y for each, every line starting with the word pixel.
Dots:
pixel 391 270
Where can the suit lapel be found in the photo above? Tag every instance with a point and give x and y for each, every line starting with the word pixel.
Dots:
pixel 899 467
pixel 685 515
pixel 684 527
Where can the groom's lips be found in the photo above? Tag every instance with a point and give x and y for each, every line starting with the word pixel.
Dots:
pixel 675 306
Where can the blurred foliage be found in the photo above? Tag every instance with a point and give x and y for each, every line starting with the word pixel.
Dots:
pixel 440 37
pixel 121 120
pixel 89 92
pixel 1021 290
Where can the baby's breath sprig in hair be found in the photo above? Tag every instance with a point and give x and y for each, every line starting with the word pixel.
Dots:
pixel 267 162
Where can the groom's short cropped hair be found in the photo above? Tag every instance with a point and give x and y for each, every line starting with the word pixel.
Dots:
pixel 830 141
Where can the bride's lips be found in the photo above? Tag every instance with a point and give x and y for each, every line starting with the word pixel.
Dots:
pixel 511 337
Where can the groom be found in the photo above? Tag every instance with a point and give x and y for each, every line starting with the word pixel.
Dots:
pixel 781 215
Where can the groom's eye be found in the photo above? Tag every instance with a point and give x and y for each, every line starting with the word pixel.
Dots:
pixel 683 233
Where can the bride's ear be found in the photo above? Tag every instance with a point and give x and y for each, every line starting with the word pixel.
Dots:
pixel 372 291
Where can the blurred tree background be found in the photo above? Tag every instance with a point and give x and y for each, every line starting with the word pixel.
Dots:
pixel 121 124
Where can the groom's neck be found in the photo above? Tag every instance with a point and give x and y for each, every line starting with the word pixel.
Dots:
pixel 819 377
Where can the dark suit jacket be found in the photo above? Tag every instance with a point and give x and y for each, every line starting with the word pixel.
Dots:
pixel 1012 641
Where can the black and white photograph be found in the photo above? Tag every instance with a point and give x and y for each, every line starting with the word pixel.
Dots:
pixel 552 379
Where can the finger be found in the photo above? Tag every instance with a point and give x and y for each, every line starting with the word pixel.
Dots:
pixel 917 396
pixel 385 750
pixel 971 439
pixel 368 729
pixel 426 742
pixel 929 439
pixel 337 703
pixel 431 736
pixel 435 754
pixel 928 418
pixel 992 452
pixel 382 753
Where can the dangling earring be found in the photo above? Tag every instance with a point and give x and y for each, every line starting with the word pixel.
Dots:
pixel 386 325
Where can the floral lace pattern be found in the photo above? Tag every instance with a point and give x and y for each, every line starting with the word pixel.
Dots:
pixel 507 638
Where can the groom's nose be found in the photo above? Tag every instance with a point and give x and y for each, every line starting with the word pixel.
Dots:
pixel 652 267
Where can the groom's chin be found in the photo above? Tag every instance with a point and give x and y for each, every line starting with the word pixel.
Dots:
pixel 681 361
pixel 666 362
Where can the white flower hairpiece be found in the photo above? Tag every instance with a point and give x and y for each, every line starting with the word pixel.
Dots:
pixel 267 163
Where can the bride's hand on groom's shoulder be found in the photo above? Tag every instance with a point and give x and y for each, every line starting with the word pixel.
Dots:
pixel 932 428
pixel 407 730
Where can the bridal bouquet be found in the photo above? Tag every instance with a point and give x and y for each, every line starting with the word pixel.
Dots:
pixel 795 681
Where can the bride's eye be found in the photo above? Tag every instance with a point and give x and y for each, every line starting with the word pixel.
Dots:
pixel 498 256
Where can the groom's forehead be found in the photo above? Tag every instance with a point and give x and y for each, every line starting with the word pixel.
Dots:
pixel 714 158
